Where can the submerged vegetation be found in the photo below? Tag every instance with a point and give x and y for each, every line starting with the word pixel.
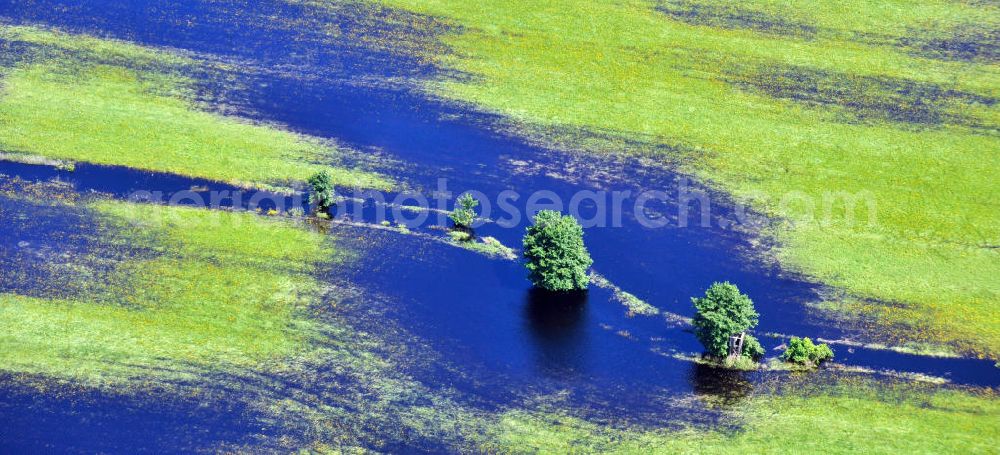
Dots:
pixel 635 305
pixel 219 292
pixel 675 74
pixel 225 306
pixel 488 246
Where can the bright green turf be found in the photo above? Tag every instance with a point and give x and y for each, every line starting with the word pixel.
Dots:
pixel 224 290
pixel 866 418
pixel 624 67
pixel 105 49
pixel 70 108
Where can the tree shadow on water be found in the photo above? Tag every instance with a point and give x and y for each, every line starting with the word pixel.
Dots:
pixel 722 386
pixel 556 322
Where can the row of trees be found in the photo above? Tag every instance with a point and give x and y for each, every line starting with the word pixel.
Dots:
pixel 557 260
pixel 722 323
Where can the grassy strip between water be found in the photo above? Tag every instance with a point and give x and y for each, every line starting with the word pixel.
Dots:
pixel 853 417
pixel 488 246
pixel 70 103
pixel 221 291
pixel 635 305
pixel 815 129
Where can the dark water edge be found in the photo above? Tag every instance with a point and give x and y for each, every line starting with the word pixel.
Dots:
pixel 67 419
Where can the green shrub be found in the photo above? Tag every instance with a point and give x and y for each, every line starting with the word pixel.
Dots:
pixel 752 348
pixel 465 211
pixel 803 352
pixel 557 258
pixel 740 363
pixel 722 313
pixel 322 194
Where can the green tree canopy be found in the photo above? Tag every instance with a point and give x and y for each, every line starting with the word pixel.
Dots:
pixel 803 352
pixel 557 258
pixel 465 211
pixel 722 312
pixel 322 191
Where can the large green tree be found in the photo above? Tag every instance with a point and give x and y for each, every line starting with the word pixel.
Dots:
pixel 722 313
pixel 557 258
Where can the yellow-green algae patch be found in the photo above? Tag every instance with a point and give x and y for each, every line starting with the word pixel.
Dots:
pixel 75 106
pixel 899 138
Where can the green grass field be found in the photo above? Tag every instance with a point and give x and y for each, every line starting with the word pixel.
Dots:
pixel 79 100
pixel 854 417
pixel 769 99
pixel 220 291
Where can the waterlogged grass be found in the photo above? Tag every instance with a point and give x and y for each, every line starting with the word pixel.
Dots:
pixel 849 419
pixel 796 147
pixel 487 246
pixel 221 306
pixel 223 291
pixel 73 105
pixel 635 305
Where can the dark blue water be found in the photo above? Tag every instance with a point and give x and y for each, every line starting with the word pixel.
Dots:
pixel 96 422
pixel 507 341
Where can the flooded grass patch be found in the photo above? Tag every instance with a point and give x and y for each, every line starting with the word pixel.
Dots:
pixel 958 31
pixel 973 41
pixel 212 298
pixel 71 108
pixel 838 419
pixel 633 73
pixel 725 15
pixel 868 98
pixel 53 252
pixel 489 246
pixel 635 305
pixel 230 305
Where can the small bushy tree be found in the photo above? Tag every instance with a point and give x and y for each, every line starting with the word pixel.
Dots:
pixel 322 192
pixel 557 259
pixel 803 352
pixel 752 348
pixel 722 313
pixel 465 211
